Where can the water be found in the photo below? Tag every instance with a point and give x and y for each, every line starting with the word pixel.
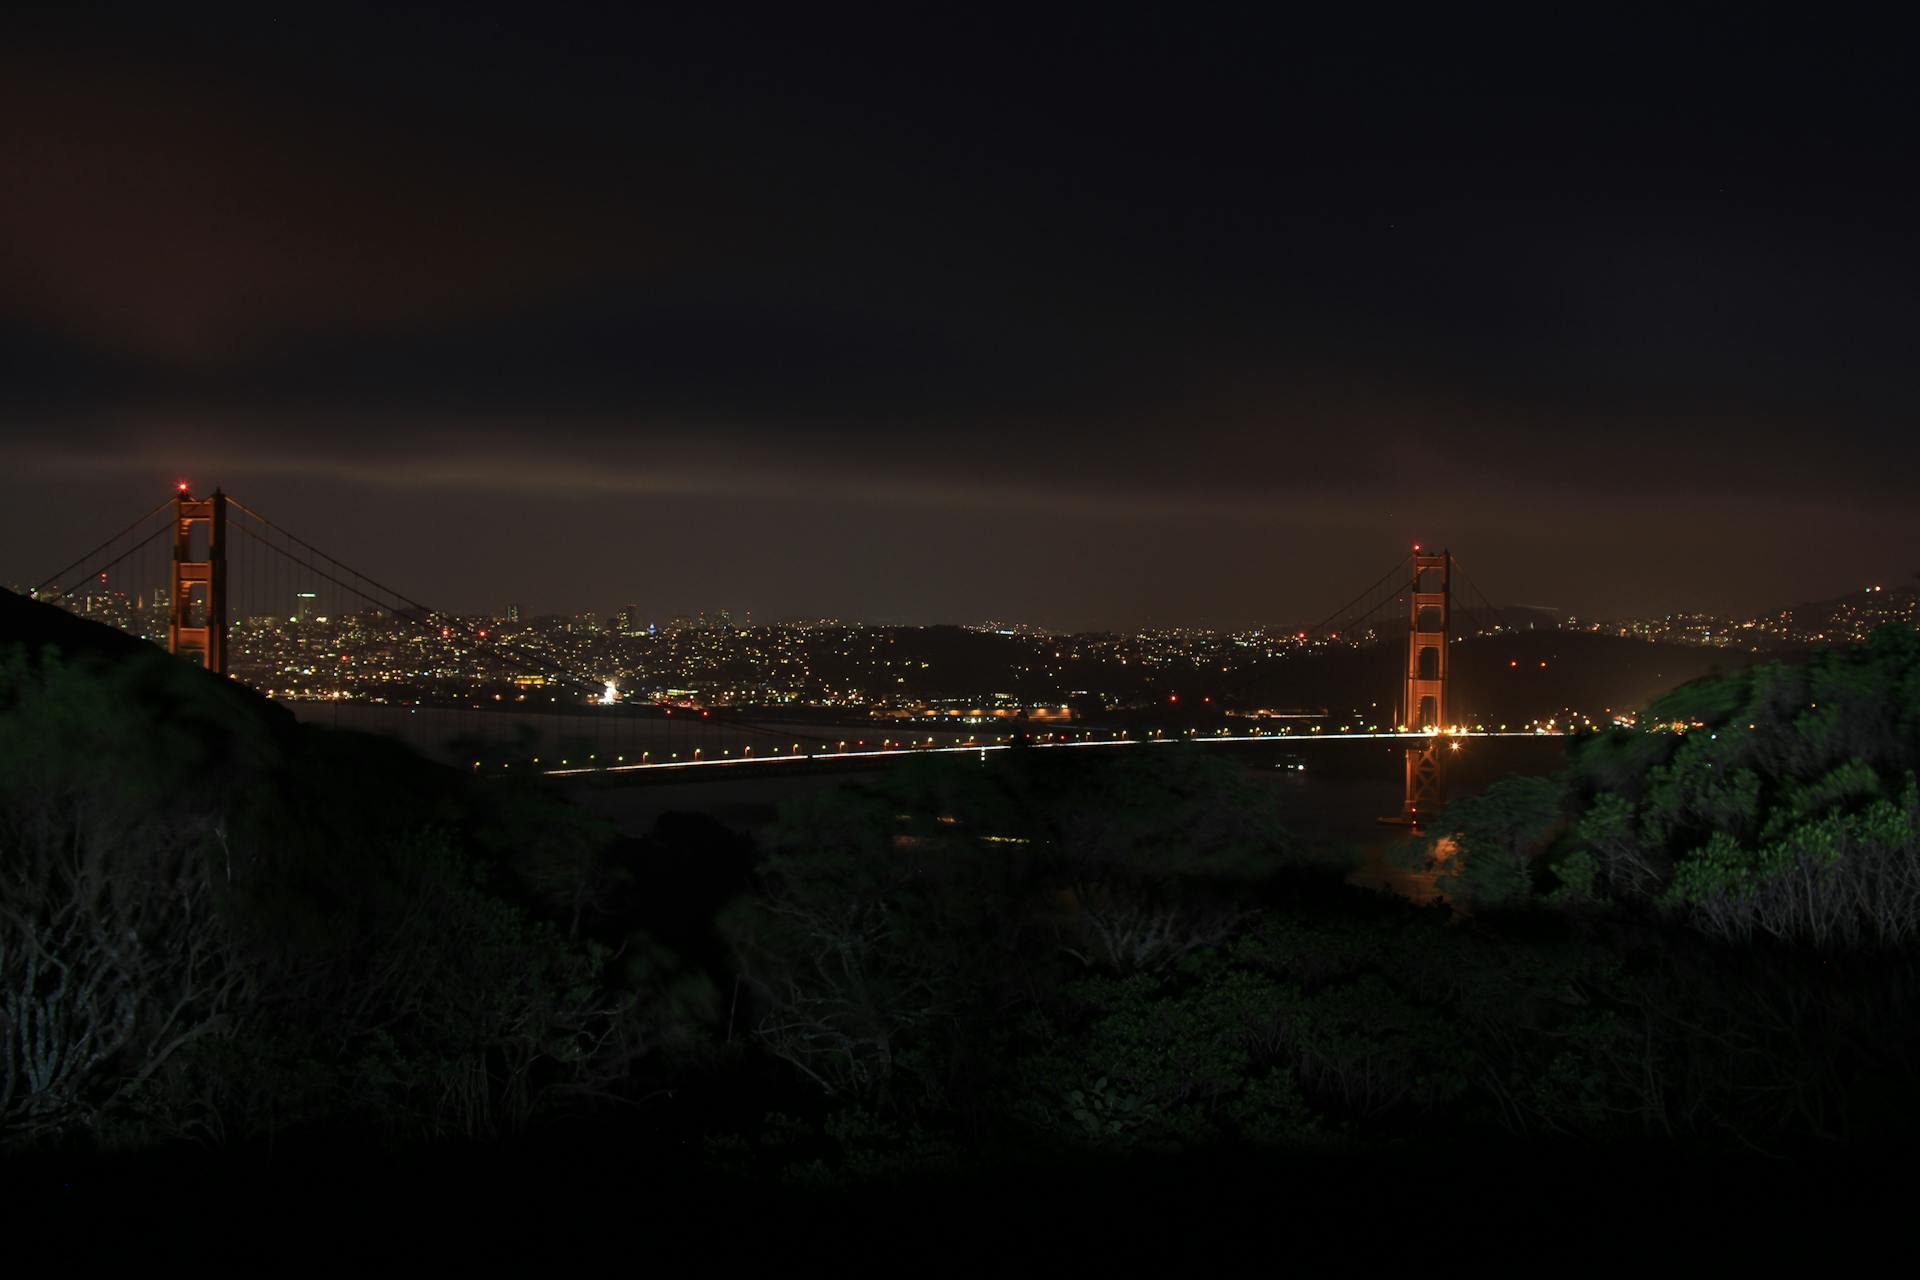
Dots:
pixel 1335 807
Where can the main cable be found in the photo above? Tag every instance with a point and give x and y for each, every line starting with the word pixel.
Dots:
pixel 138 546
pixel 103 546
pixel 1321 626
pixel 431 618
pixel 1492 608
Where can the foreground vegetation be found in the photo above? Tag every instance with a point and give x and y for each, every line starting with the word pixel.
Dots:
pixel 1784 808
pixel 221 928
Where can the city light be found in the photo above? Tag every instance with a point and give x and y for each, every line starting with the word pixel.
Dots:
pixel 1061 687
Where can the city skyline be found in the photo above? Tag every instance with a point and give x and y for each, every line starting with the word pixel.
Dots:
pixel 635 618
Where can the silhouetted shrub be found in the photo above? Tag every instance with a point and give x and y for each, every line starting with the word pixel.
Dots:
pixel 216 924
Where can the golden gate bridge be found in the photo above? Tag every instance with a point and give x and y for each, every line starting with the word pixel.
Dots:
pixel 219 584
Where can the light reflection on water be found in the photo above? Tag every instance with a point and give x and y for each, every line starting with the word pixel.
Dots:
pixel 1398 864
pixel 1342 815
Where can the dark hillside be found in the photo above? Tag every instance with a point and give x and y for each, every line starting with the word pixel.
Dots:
pixel 333 935
pixel 34 630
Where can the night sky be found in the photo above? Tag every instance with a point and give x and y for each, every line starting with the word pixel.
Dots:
pixel 937 315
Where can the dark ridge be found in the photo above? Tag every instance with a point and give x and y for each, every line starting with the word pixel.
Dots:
pixel 39 628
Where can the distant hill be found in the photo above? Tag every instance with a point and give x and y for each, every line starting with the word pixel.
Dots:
pixel 1497 678
pixel 1509 678
pixel 1521 617
pixel 1853 615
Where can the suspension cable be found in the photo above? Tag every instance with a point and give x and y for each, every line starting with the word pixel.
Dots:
pixel 138 546
pixel 431 618
pixel 1321 626
pixel 295 538
pixel 103 546
pixel 1492 608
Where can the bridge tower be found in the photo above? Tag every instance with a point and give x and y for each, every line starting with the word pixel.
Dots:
pixel 204 641
pixel 1424 704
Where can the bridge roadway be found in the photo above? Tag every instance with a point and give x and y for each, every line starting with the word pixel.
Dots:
pixel 859 758
pixel 581 743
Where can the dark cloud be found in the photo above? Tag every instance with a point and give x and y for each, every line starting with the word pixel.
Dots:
pixel 199 224
pixel 1211 317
